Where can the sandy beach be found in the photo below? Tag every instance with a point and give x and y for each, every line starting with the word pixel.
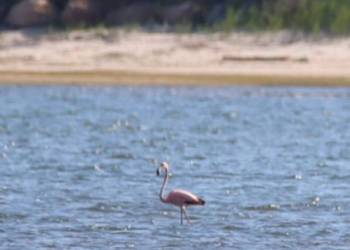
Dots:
pixel 115 56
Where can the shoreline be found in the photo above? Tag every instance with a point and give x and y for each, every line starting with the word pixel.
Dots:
pixel 121 57
pixel 140 78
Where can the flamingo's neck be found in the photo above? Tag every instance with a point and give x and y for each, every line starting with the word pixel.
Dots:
pixel 165 181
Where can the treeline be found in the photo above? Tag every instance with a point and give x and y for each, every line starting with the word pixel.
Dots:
pixel 330 16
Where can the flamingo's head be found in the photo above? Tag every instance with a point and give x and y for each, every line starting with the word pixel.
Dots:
pixel 163 166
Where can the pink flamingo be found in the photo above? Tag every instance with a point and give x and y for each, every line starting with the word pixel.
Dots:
pixel 177 197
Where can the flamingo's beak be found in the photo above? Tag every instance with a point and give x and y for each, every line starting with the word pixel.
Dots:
pixel 158 172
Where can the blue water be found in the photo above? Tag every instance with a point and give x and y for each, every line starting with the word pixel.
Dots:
pixel 77 167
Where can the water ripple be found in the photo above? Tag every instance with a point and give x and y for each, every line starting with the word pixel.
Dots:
pixel 263 208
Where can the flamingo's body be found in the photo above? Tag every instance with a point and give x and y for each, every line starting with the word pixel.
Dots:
pixel 178 197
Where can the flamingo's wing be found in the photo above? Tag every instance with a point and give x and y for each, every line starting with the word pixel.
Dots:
pixel 181 197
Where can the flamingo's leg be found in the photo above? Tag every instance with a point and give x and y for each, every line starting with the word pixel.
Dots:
pixel 181 212
pixel 187 218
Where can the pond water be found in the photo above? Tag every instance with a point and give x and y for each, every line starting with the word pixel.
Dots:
pixel 78 167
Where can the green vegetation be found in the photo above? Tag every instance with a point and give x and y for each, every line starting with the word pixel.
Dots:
pixel 312 16
pixel 329 16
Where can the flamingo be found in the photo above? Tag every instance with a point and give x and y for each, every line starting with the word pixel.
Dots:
pixel 177 197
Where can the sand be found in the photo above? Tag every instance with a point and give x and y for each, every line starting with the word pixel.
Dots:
pixel 117 56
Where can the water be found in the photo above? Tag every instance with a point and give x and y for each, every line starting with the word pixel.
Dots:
pixel 78 167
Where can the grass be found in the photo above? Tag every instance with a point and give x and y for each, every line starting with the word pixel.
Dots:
pixel 329 16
